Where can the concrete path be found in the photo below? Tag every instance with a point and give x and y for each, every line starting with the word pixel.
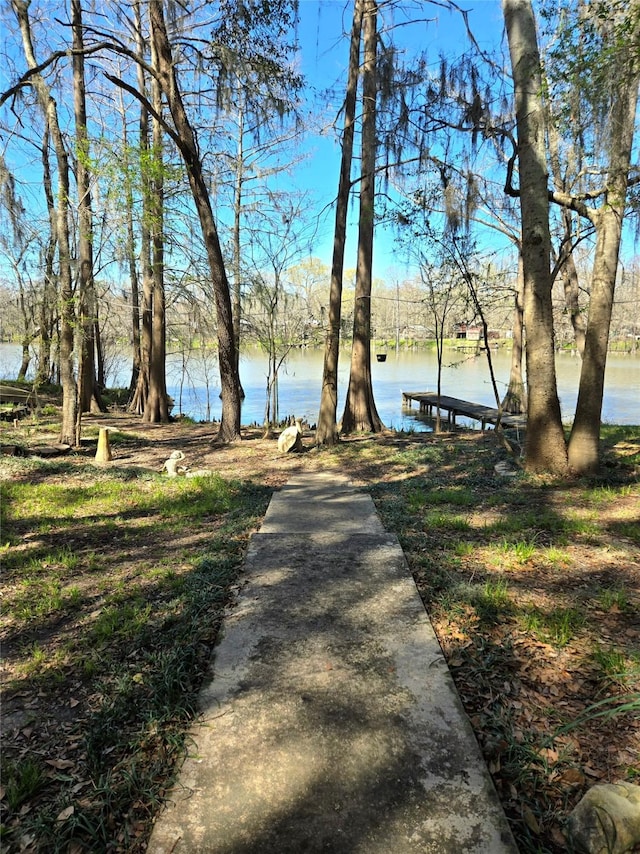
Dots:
pixel 332 723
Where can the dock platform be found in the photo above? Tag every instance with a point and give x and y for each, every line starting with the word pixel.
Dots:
pixel 15 402
pixel 453 406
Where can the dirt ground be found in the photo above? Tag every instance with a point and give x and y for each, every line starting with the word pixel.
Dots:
pixel 149 445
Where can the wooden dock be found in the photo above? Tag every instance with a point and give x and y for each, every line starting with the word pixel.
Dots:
pixel 14 402
pixel 429 400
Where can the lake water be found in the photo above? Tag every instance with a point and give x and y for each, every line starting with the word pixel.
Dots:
pixel 464 376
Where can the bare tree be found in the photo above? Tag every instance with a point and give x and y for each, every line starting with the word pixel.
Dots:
pixel 622 100
pixel 185 139
pixel 88 393
pixel 67 312
pixel 327 430
pixel 360 413
pixel 280 236
pixel 444 297
pixel 141 371
pixel 545 444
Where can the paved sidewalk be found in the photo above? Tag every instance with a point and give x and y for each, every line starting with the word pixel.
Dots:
pixel 332 723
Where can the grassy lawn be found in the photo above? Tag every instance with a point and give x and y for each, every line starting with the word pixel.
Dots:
pixel 115 579
pixel 533 587
pixel 113 588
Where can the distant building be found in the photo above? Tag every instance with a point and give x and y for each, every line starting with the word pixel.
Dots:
pixel 468 332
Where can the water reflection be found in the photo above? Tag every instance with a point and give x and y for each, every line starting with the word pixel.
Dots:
pixel 193 383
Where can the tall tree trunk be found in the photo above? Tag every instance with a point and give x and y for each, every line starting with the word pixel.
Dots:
pixel 585 434
pixel 141 391
pixel 360 413
pixel 237 216
pixel 50 285
pixel 156 407
pixel 545 448
pixel 327 430
pixel 571 283
pixel 135 297
pixel 515 399
pixel 67 312
pixel 88 393
pixel 97 337
pixel 186 141
pixel 566 262
pixel 130 245
pixel 130 249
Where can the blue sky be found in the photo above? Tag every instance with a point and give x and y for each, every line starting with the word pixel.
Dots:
pixel 323 36
pixel 323 32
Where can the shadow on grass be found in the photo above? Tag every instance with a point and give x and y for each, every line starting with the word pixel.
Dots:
pixel 156 563
pixel 105 679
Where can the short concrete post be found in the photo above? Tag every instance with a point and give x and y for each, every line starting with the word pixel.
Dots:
pixel 103 453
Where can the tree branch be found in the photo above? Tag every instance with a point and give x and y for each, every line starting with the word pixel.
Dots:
pixel 117 81
pixel 59 54
pixel 575 203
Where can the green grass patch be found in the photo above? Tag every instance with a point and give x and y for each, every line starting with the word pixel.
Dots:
pixel 617 668
pixel 36 598
pixel 521 552
pixel 556 557
pixel 610 598
pixel 196 497
pixel 21 780
pixel 456 496
pixel 558 626
pixel 120 622
pixel 629 529
pixel 542 525
pixel 488 602
pixel 440 521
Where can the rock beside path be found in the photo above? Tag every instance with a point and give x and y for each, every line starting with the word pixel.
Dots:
pixel 290 439
pixel 607 819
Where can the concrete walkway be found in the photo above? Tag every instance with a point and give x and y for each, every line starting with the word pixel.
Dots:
pixel 332 723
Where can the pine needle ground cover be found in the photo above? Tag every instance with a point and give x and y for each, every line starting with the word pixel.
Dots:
pixel 115 579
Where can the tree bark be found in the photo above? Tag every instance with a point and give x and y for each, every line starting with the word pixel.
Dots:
pixel 515 400
pixel 566 262
pixel 584 441
pixel 229 377
pixel 141 391
pixel 360 413
pixel 327 430
pixel 156 407
pixel 50 285
pixel 67 312
pixel 545 447
pixel 571 284
pixel 237 215
pixel 130 247
pixel 88 393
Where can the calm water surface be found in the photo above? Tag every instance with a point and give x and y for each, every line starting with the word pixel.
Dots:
pixel 466 377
